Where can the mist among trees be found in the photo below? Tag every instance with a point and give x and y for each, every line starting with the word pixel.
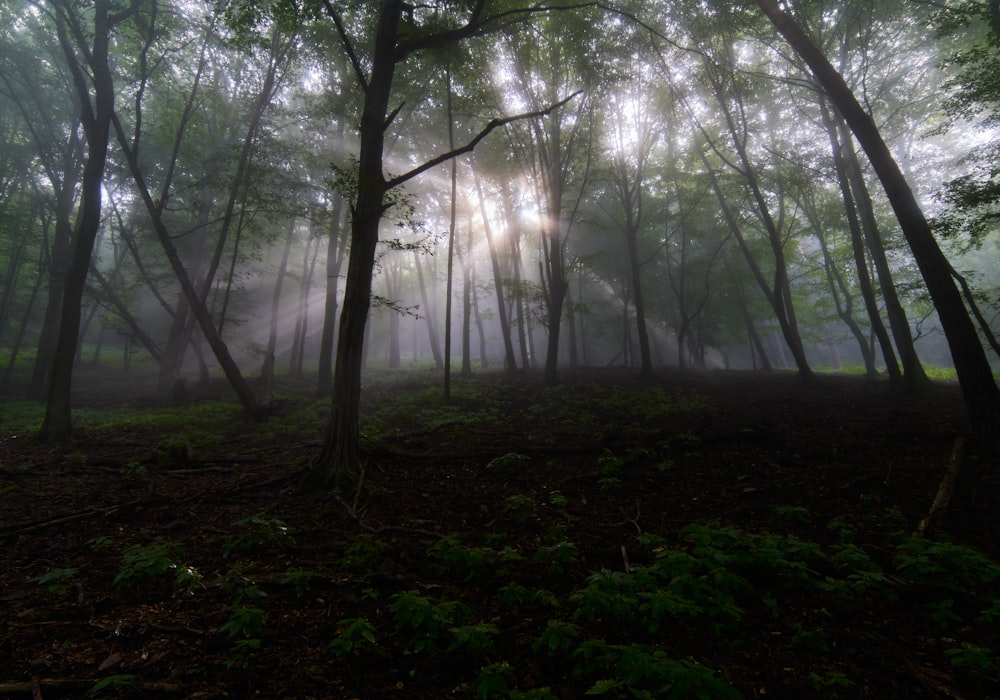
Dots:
pixel 191 191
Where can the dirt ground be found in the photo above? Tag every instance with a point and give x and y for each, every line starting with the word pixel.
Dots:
pixel 163 568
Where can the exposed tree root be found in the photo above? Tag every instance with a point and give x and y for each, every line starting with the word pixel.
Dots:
pixel 945 490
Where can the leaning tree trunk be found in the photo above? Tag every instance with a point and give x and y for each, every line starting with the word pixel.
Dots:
pixel 982 398
pixel 509 363
pixel 857 246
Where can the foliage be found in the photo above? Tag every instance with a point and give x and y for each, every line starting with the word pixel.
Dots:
pixel 472 563
pixel 113 685
pixel 364 554
pixel 425 620
pixel 259 534
pixel 355 636
pixel 299 579
pixel 155 561
pixel 56 581
pixel 643 671
pixel 244 621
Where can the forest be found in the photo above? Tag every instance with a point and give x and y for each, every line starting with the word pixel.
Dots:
pixel 499 349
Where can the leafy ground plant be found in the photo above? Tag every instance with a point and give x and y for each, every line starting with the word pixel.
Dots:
pixel 157 560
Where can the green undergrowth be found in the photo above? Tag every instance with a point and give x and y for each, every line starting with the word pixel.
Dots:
pixel 483 405
pixel 671 625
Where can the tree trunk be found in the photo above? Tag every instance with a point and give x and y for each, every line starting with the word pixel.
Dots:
pixel 267 371
pixel 509 362
pixel 982 398
pixel 195 302
pixel 913 372
pixel 429 315
pixel 334 262
pixel 340 461
pixel 857 244
pixel 57 424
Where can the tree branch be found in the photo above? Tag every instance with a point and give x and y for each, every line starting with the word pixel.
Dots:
pixel 470 146
pixel 346 43
pixel 480 27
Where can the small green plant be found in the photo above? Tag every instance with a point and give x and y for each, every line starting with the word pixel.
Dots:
pixel 111 684
pixel 609 470
pixel 241 652
pixel 155 560
pixel 830 680
pixel 134 470
pixel 519 506
pixel 558 637
pixel 100 542
pixel 976 662
pixel 56 581
pixel 8 488
pixel 472 563
pixel 475 640
pixel 793 514
pixel 557 499
pixel 244 621
pixel 814 639
pixel 642 671
pixel 426 620
pixel 259 534
pixel 299 579
pixel 493 681
pixel 364 554
pixel 356 635
pixel 559 556
pixel 951 567
pixel 512 594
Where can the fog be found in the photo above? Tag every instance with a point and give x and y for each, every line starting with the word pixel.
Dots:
pixel 697 185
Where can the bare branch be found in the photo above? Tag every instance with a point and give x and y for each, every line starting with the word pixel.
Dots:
pixel 470 146
pixel 346 43
pixel 477 26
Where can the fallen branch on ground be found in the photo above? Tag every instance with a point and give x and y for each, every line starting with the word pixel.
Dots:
pixel 945 490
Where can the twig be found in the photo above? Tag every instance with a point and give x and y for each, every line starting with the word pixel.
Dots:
pixel 635 520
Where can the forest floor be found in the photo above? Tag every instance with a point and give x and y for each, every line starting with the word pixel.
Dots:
pixel 704 535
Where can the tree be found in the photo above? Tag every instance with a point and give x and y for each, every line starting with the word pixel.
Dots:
pixel 85 46
pixel 556 149
pixel 982 398
pixel 633 133
pixel 399 31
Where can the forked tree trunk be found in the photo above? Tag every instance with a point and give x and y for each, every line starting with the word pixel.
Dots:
pixel 57 424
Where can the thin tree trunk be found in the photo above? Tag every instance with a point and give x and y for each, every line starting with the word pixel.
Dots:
pixel 452 213
pixel 857 245
pixel 334 262
pixel 267 371
pixel 913 371
pixel 509 363
pixel 195 302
